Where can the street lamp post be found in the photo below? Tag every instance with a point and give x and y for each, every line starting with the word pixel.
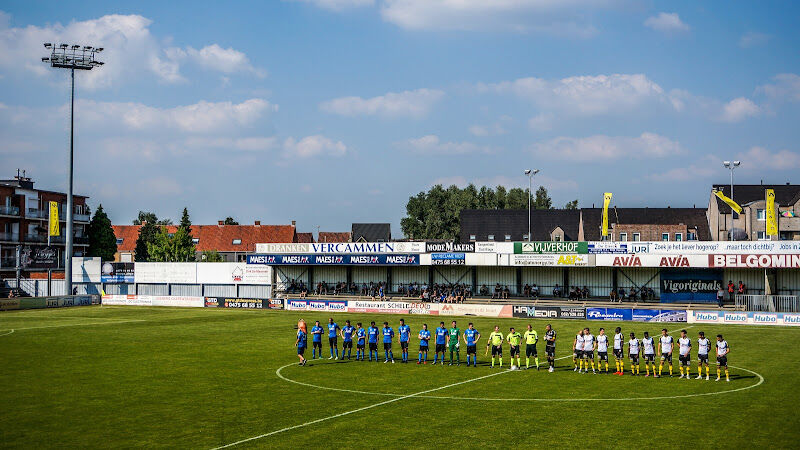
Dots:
pixel 731 166
pixel 530 173
pixel 64 56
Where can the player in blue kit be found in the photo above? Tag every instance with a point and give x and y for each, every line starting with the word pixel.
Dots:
pixel 333 333
pixel 316 341
pixel 471 337
pixel 388 334
pixel 347 338
pixel 301 345
pixel 372 337
pixel 405 334
pixel 361 335
pixel 441 342
pixel 424 337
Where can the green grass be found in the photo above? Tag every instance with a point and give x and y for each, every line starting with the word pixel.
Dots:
pixel 162 377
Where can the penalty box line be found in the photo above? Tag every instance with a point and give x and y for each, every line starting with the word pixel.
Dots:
pixel 375 405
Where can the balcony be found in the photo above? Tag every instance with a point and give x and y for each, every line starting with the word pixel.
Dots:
pixel 35 238
pixel 80 217
pixel 9 211
pixel 33 213
pixel 8 262
pixel 9 237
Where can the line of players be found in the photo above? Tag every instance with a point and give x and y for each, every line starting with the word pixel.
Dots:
pixel 584 347
pixel 585 344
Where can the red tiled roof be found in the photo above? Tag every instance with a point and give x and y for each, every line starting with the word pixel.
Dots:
pixel 217 237
pixel 333 236
pixel 305 238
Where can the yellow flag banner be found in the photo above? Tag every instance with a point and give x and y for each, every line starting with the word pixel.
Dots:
pixel 54 228
pixel 772 222
pixel 606 201
pixel 735 206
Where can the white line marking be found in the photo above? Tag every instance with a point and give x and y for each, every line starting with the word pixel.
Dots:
pixel 6 334
pixel 79 324
pixel 375 405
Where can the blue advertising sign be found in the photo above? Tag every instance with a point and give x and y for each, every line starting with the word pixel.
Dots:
pixel 613 314
pixel 358 260
pixel 659 315
pixel 683 286
pixel 440 256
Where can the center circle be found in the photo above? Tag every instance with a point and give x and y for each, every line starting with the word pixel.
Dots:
pixel 494 399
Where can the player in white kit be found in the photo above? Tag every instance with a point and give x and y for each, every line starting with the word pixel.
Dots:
pixel 602 349
pixel 589 346
pixel 619 354
pixel 684 354
pixel 703 346
pixel 665 344
pixel 649 354
pixel 577 352
pixel 722 357
pixel 633 353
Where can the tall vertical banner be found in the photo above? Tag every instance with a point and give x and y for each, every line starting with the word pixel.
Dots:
pixel 54 228
pixel 772 223
pixel 606 201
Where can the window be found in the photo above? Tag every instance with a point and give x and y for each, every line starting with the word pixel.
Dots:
pixel 762 236
pixel 119 241
pixel 471 237
pixel 491 237
pixel 195 240
pixel 237 242
pixel 508 237
pixel 623 237
pixel 525 237
pixel 692 236
pixel 760 214
pixel 557 238
pixel 678 236
pixel 637 237
pixel 664 236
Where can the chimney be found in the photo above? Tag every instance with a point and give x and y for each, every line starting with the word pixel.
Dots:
pixel 220 223
pixel 258 223
pixel 294 223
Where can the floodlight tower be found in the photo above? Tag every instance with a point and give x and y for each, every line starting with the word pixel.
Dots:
pixel 65 56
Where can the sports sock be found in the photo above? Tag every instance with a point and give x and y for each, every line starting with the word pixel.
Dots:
pixel 458 358
pixel 700 371
pixel 391 356
pixel 492 361
pixel 536 359
pixel 621 366
pixel 727 374
pixel 501 361
pixel 670 369
pixel 592 363
pixel 606 366
pixel 527 362
pixel 718 372
pixel 660 367
pixel 638 370
pixel 708 369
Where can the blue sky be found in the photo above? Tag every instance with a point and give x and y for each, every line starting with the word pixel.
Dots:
pixel 336 111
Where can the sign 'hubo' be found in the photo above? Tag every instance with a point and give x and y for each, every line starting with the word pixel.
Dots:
pixel 707 317
pixel 765 318
pixel 735 318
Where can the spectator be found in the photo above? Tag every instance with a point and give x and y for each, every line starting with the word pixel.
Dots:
pixel 731 289
pixel 506 292
pixel 535 291
pixel 742 288
pixel 622 294
pixel 721 296
pixel 498 291
pixel 557 291
pixel 484 290
pixel 585 292
pixel 526 291
pixel 613 297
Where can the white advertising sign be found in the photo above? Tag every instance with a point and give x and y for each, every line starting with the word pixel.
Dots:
pixel 759 261
pixel 86 270
pixel 147 272
pixel 546 260
pixel 154 300
pixel 725 247
pixel 650 260
pixel 233 273
pixel 342 247
pixel 744 318
pixel 494 247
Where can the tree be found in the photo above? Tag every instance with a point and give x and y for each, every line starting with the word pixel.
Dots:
pixel 542 200
pixel 147 235
pixel 210 256
pixel 186 243
pixel 147 216
pixel 168 247
pixel 230 221
pixel 102 241
pixel 572 205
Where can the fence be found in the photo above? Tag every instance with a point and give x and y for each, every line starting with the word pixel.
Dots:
pixel 38 288
pixel 768 303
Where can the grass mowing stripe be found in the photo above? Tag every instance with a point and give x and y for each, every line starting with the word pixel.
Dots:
pixel 375 405
pixel 79 324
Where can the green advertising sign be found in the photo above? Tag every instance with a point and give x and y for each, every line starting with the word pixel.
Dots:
pixel 581 248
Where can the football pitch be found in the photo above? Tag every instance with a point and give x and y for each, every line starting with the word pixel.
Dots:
pixel 207 378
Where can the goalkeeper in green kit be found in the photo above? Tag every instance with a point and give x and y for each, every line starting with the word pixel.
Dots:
pixel 453 335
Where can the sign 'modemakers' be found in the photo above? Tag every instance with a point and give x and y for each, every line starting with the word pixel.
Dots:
pixel 449 247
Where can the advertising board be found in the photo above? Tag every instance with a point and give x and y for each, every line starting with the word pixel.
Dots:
pixel 744 318
pixel 659 315
pixel 86 270
pixel 117 272
pixel 342 247
pixel 448 259
pixel 548 260
pixel 449 247
pixel 548 312
pixel 154 272
pixel 460 309
pixel 494 247
pixel 233 273
pixel 154 300
pixel 609 314
pixel 726 247
pixel 690 285
pixel 357 260
pixel 553 247
pixel 651 260
pixel 755 261
pixel 244 303
pixel 316 305
pixel 392 307
pixel 62 301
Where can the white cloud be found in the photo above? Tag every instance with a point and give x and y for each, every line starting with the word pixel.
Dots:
pixel 602 147
pixel 739 109
pixel 417 103
pixel 339 5
pixel 311 146
pixel 432 145
pixel 762 158
pixel 494 129
pixel 130 49
pixel 541 122
pixel 753 39
pixel 785 87
pixel 666 23
pixel 558 17
pixel 704 168
pixel 599 94
pixel 247 144
pixel 213 57
pixel 201 117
